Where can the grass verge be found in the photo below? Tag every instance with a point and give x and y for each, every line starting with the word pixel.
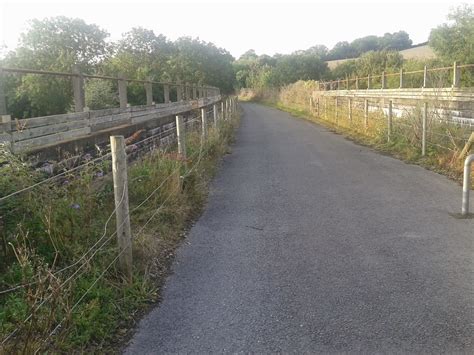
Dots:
pixel 60 290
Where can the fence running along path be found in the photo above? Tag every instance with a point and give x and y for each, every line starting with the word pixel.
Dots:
pixel 32 134
pixel 120 155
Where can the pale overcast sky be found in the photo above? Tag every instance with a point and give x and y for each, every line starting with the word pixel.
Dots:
pixel 267 26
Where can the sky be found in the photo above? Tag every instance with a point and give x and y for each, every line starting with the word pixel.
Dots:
pixel 266 26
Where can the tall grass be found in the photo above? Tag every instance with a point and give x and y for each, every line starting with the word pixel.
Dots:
pixel 49 228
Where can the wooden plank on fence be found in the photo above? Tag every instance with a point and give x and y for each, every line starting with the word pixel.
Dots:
pixel 48 130
pixel 50 139
pixel 48 120
pixel 104 122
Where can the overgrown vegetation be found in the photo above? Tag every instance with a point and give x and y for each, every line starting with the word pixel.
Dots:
pixel 445 141
pixel 58 244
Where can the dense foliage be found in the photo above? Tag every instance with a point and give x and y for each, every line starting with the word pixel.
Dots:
pixel 455 40
pixel 60 43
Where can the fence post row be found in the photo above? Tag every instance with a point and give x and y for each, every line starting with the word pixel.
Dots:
pixel 78 90
pixel 124 234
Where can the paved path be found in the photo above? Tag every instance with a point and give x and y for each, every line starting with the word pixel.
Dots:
pixel 311 243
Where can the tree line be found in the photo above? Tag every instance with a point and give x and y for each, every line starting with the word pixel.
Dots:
pixel 452 41
pixel 61 43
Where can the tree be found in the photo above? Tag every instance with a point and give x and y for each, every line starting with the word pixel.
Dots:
pixel 55 44
pixel 455 40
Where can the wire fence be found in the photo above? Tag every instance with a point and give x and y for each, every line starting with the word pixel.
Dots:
pixel 56 282
pixel 419 126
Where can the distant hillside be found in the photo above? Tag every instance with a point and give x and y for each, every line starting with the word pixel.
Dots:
pixel 419 51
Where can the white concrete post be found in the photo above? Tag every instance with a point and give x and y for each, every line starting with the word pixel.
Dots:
pixel 357 83
pixel 222 110
pixel 368 82
pixel 401 78
pixel 124 233
pixel 181 135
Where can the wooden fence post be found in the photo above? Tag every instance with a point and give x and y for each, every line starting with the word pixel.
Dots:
pixel 357 83
pixel 149 93
pixel 456 76
pixel 214 112
pixel 401 78
pixel 389 120
pixel 195 92
pixel 124 234
pixel 350 110
pixel 78 90
pixel 122 88
pixel 368 82
pixel 222 110
pixel 3 101
pixel 425 76
pixel 366 113
pixel 166 93
pixel 423 126
pixel 384 80
pixel 179 91
pixel 5 131
pixel 204 122
pixel 336 101
pixel 181 135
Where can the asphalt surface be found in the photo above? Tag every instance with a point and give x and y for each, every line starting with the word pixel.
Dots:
pixel 311 243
